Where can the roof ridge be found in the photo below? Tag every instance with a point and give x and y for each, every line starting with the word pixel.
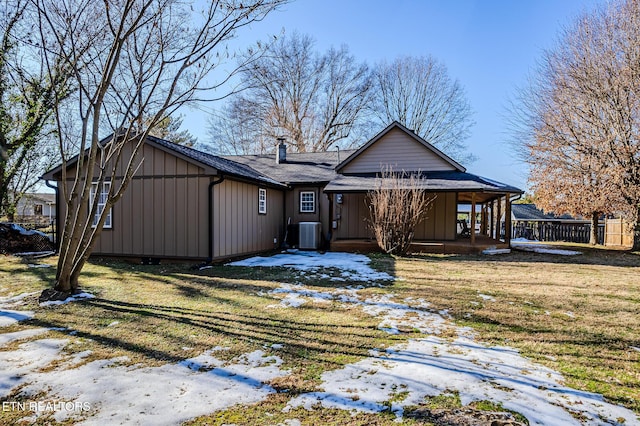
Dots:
pixel 202 156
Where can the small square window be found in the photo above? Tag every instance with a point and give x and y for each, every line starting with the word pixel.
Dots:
pixel 37 209
pixel 262 201
pixel 307 202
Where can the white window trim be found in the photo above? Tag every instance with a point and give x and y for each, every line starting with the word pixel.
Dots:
pixel 312 202
pixel 106 186
pixel 262 201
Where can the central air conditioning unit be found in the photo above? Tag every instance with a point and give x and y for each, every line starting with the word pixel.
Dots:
pixel 309 235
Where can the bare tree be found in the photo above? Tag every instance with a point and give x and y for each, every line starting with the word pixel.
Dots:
pixel 567 174
pixel 418 93
pixel 134 62
pixel 396 206
pixel 311 99
pixel 27 97
pixel 238 128
pixel 582 115
pixel 42 157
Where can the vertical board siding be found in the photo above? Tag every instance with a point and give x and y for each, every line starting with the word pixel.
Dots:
pixel 293 206
pixel 237 227
pixel 406 154
pixel 438 225
pixel 163 212
pixel 354 217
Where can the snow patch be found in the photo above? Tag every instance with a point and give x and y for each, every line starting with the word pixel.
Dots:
pixel 15 300
pixel 354 267
pixel 38 265
pixel 297 295
pixel 540 248
pixel 431 366
pixel 35 254
pixel 7 338
pixel 18 367
pixel 165 395
pixel 69 299
pixel 486 297
pixel 8 317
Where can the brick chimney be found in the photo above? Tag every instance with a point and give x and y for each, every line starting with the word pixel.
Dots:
pixel 281 153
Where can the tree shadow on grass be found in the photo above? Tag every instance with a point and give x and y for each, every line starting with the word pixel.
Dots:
pixel 589 256
pixel 308 340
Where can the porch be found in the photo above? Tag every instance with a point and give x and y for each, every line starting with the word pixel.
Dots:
pixel 458 246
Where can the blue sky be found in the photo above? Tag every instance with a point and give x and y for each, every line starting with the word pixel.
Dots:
pixel 489 46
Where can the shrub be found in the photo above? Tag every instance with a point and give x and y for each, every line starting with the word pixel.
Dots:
pixel 396 206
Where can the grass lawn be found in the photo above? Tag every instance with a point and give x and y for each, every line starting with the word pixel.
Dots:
pixel 579 315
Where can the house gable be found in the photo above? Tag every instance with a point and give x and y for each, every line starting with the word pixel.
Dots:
pixel 397 147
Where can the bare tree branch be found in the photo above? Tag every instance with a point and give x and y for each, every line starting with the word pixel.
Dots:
pixel 418 93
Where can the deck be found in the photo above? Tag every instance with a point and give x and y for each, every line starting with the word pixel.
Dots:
pixel 459 246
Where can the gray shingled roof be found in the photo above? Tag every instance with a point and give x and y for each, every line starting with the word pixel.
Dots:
pixel 319 168
pixel 529 212
pixel 40 196
pixel 435 181
pixel 222 164
pixel 299 168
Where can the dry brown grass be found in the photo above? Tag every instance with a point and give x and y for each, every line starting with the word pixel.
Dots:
pixel 152 313
pixel 578 315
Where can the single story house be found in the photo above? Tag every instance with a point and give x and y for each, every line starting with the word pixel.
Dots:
pixel 188 204
pixel 36 207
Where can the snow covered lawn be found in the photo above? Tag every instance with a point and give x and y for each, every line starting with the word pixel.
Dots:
pixel 250 336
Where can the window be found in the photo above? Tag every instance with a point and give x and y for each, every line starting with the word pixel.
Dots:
pixel 102 200
pixel 37 209
pixel 307 202
pixel 262 201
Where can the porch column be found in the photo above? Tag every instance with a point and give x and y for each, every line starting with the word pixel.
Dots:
pixel 492 218
pixel 499 218
pixel 507 219
pixel 473 218
pixel 483 220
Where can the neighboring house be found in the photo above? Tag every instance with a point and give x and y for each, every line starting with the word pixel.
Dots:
pixel 534 224
pixel 529 213
pixel 36 207
pixel 184 203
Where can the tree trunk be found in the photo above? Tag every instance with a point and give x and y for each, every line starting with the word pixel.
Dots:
pixel 4 196
pixel 67 279
pixel 593 235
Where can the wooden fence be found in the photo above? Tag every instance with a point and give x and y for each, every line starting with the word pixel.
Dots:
pixel 618 233
pixel 570 232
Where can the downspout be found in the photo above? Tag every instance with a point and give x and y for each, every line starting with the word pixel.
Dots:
pixel 56 230
pixel 285 235
pixel 513 199
pixel 330 226
pixel 210 207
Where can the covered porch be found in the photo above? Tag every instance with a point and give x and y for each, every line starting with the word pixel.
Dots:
pixel 445 229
